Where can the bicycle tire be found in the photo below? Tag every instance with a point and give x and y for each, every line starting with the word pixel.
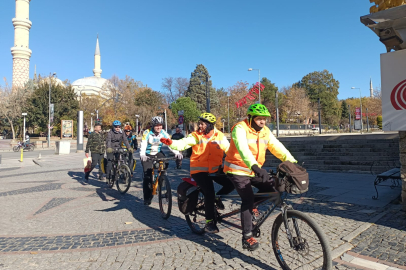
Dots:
pixel 197 226
pixel 164 196
pixel 110 182
pixel 123 182
pixel 16 148
pixel 280 241
pixel 31 148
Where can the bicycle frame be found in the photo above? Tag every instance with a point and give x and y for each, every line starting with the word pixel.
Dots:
pixel 161 169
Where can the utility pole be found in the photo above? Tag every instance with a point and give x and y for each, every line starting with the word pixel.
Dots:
pixel 367 121
pixel 277 113
pixel 228 121
pixel 319 116
pixel 349 114
pixel 207 94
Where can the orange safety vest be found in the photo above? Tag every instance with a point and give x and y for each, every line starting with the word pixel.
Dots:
pixel 207 154
pixel 257 143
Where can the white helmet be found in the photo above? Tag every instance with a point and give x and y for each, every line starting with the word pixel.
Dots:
pixel 157 120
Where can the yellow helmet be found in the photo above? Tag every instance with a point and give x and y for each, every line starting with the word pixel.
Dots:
pixel 208 117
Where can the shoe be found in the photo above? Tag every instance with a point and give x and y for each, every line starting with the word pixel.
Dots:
pixel 178 167
pixel 255 213
pixel 250 243
pixel 211 227
pixel 219 204
pixel 103 178
pixel 147 202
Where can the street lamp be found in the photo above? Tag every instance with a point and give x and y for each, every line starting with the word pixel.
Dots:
pixel 223 120
pixel 360 101
pixel 24 114
pixel 367 121
pixel 207 94
pixel 49 109
pixel 259 83
pixel 349 115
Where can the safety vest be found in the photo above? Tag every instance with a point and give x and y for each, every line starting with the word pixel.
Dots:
pixel 207 154
pixel 257 143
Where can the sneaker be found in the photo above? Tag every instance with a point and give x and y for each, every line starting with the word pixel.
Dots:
pixel 211 227
pixel 178 167
pixel 219 204
pixel 147 202
pixel 251 244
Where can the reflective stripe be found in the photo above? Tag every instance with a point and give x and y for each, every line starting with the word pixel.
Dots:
pixel 201 141
pixel 215 168
pixel 252 141
pixel 236 167
pixel 199 168
pixel 263 141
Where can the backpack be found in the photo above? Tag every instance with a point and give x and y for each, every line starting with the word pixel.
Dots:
pixel 291 178
pixel 188 195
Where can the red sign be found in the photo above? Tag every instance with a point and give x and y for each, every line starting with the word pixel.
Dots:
pixel 398 96
pixel 251 95
pixel 180 120
pixel 357 113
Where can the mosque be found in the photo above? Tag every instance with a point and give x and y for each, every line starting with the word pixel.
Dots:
pixel 21 57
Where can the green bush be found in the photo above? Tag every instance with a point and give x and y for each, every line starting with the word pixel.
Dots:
pixel 379 121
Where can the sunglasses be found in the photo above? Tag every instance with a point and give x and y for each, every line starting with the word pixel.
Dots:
pixel 117 126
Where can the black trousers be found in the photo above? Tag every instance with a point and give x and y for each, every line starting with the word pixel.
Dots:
pixel 96 159
pixel 206 184
pixel 130 161
pixel 147 183
pixel 110 157
pixel 243 185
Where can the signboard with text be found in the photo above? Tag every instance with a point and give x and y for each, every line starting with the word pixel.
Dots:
pixel 393 79
pixel 357 113
pixel 66 129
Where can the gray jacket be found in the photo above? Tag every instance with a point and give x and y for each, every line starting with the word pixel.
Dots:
pixel 114 140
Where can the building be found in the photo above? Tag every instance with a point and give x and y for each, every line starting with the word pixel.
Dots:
pixel 21 52
pixel 92 85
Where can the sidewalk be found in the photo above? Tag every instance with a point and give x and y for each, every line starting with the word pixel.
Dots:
pixel 51 217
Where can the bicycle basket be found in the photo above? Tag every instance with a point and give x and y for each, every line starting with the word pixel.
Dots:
pixel 292 178
pixel 188 196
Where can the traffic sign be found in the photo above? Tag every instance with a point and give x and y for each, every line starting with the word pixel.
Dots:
pixel 180 119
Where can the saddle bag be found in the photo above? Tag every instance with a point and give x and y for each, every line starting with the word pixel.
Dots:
pixel 292 178
pixel 188 195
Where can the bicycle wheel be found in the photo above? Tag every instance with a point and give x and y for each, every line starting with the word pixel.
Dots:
pixel 165 197
pixel 16 148
pixel 31 148
pixel 310 250
pixel 197 219
pixel 123 181
pixel 110 180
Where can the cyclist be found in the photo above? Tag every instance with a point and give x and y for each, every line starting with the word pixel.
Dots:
pixel 132 140
pixel 113 141
pixel 97 147
pixel 208 146
pixel 151 146
pixel 249 141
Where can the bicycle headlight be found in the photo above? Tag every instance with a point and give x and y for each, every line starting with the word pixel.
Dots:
pixel 156 165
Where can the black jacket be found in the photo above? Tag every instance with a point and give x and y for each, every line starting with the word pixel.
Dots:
pixel 177 136
pixel 114 140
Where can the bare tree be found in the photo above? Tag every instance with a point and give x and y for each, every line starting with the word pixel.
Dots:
pixel 296 103
pixel 174 88
pixel 12 100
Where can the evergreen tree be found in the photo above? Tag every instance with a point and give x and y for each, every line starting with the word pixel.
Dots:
pixel 344 110
pixel 197 88
pixel 189 108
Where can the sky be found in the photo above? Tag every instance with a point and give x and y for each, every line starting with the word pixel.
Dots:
pixel 154 39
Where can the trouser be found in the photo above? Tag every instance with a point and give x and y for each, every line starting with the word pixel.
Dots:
pixel 110 157
pixel 147 183
pixel 243 184
pixel 206 185
pixel 96 159
pixel 130 161
pixel 178 162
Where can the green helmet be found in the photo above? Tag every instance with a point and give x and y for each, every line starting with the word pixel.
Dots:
pixel 258 110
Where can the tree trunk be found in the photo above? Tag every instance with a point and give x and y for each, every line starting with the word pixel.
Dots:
pixel 12 129
pixel 402 150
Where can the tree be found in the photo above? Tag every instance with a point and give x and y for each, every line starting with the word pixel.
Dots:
pixel 174 88
pixel 379 121
pixel 12 101
pixel 65 103
pixel 345 112
pixel 190 111
pixel 296 104
pixel 321 84
pixel 197 88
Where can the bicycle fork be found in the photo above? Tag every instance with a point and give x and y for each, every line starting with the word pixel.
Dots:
pixel 285 207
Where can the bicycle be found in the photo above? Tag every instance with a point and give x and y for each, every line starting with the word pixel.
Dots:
pixel 161 183
pixel 291 242
pixel 120 173
pixel 26 146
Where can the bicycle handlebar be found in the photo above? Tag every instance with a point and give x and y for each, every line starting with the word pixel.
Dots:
pixel 155 158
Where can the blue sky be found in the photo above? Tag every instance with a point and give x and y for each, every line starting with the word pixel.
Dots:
pixel 150 40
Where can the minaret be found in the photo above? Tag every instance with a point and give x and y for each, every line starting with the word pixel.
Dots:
pixel 371 89
pixel 20 52
pixel 97 67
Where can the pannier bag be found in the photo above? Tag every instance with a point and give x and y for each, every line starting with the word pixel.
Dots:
pixel 292 178
pixel 188 195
